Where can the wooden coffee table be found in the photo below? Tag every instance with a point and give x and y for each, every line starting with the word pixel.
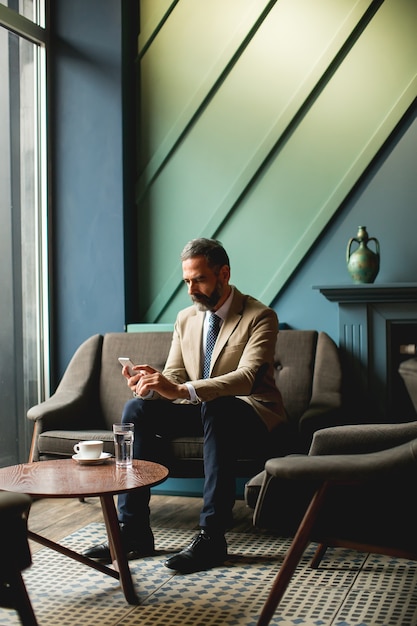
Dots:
pixel 68 479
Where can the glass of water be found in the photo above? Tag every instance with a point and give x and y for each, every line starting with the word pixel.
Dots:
pixel 123 444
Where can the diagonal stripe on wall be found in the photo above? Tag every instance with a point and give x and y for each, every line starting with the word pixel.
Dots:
pixel 257 119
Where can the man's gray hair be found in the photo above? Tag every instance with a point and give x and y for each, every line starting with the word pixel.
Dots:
pixel 211 249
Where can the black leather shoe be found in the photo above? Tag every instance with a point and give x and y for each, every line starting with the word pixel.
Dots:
pixel 205 551
pixel 142 544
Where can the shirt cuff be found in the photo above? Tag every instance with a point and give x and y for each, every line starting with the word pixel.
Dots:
pixel 194 399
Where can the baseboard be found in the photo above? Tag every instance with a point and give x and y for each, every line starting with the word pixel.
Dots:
pixel 191 487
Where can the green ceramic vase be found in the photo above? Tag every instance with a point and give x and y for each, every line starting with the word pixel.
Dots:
pixel 362 263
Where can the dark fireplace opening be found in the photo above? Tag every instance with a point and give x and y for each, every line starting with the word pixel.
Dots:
pixel 401 345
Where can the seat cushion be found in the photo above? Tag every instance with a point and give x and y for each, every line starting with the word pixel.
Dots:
pixel 60 443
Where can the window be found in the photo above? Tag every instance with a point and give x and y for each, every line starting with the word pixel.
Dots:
pixel 23 220
pixel 27 8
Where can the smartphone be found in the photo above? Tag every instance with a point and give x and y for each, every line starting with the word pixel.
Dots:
pixel 124 360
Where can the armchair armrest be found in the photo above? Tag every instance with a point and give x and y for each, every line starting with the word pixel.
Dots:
pixel 61 411
pixel 361 438
pixel 14 509
pixel 294 479
pixel 322 413
pixel 408 372
pixel 13 504
pixel 344 467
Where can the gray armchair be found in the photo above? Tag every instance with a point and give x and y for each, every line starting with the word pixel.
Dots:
pixel 361 501
pixel 354 489
pixel 92 392
pixel 15 555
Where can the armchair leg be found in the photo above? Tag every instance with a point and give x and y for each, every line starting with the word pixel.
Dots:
pixel 20 600
pixel 33 453
pixel 318 556
pixel 293 556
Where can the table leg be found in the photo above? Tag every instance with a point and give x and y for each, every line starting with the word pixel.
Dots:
pixel 116 548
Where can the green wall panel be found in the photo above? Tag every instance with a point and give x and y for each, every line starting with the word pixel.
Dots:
pixel 331 146
pixel 307 92
pixel 153 14
pixel 183 64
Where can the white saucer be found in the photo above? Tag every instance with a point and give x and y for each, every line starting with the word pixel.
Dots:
pixel 104 456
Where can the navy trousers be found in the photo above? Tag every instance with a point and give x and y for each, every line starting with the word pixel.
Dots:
pixel 229 426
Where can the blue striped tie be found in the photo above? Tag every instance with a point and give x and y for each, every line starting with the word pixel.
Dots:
pixel 213 331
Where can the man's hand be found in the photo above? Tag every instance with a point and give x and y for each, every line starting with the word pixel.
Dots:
pixel 147 379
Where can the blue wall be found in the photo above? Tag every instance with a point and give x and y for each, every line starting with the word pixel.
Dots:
pixel 88 201
pixel 86 173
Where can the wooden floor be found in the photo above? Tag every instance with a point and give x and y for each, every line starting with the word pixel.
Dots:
pixel 57 518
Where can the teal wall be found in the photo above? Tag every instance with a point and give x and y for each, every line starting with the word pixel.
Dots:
pixel 258 120
pixel 244 136
pixel 385 200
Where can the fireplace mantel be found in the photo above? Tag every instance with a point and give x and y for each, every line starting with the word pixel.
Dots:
pixel 375 322
pixel 390 292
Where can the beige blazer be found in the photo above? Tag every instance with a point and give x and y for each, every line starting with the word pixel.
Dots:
pixel 242 360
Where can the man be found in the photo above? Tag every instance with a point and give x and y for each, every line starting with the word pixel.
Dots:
pixel 232 401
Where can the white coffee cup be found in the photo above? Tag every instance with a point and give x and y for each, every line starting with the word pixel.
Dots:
pixel 89 449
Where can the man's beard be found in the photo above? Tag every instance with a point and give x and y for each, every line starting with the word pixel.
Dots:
pixel 207 303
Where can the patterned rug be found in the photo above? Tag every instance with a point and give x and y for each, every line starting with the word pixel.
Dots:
pixel 349 588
